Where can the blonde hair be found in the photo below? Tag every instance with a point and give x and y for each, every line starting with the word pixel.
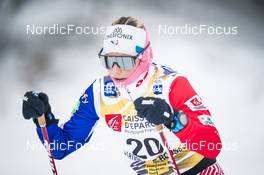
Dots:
pixel 129 21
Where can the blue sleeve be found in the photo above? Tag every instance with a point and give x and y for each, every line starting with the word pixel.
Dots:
pixel 77 131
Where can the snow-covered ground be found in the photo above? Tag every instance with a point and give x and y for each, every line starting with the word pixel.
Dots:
pixel 225 70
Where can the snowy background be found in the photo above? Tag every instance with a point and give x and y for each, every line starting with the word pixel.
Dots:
pixel 226 70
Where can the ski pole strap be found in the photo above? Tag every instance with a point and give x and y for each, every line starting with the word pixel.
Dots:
pixel 159 127
pixel 42 121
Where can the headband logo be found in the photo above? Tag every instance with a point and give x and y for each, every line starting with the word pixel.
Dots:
pixel 117 33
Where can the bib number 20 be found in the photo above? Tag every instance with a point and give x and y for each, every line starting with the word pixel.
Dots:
pixel 151 145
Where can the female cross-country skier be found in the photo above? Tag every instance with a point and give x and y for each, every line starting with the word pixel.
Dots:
pixel 136 98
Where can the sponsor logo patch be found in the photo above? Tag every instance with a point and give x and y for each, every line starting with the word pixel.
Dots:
pixel 195 103
pixel 84 98
pixel 148 102
pixel 114 121
pixel 206 120
pixel 118 33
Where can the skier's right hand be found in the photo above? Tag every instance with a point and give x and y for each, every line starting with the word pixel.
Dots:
pixel 35 104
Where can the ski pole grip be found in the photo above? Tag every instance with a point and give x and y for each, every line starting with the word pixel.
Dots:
pixel 159 127
pixel 42 121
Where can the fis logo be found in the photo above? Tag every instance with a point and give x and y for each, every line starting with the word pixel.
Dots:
pixel 114 121
pixel 157 87
pixel 109 88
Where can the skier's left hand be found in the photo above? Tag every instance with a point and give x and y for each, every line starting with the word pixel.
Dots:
pixel 155 110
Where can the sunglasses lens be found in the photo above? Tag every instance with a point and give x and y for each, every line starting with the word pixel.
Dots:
pixel 125 63
pixel 110 61
pixel 128 62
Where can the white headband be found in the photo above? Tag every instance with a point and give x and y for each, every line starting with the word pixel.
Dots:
pixel 124 39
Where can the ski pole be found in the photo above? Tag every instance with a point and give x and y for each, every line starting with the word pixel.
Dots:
pixel 159 128
pixel 42 124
